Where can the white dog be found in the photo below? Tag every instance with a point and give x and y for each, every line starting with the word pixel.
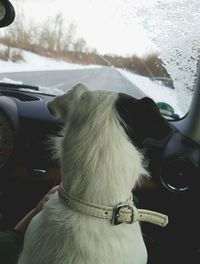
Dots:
pixel 99 168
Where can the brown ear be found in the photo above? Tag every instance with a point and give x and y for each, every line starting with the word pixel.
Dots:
pixel 142 118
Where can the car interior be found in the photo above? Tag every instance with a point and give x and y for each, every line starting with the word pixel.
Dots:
pixel 27 170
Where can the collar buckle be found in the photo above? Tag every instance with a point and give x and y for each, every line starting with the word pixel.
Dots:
pixel 116 213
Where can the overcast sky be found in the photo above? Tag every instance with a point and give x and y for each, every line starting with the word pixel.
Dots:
pixel 110 26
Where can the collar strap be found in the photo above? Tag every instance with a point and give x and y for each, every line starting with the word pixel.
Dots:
pixel 122 213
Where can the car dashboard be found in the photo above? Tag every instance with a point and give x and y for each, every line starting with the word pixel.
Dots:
pixel 27 171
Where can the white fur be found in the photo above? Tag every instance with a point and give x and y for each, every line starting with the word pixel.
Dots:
pixel 98 165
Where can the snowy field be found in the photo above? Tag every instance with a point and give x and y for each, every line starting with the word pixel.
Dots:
pixel 33 62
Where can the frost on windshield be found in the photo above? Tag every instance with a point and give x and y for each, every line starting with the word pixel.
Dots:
pixel 173 26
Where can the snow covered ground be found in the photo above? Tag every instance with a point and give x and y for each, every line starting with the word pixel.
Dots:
pixel 34 62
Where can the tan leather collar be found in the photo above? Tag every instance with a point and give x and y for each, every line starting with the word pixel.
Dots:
pixel 122 213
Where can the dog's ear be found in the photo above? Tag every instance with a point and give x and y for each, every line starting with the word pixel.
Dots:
pixel 151 122
pixel 79 89
pixel 57 108
pixel 141 118
pixel 60 106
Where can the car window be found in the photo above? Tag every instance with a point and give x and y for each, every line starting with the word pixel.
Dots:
pixel 152 44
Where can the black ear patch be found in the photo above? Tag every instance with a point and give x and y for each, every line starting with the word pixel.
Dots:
pixel 142 118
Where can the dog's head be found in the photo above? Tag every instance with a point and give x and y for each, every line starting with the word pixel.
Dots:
pixel 140 118
pixel 94 140
pixel 80 106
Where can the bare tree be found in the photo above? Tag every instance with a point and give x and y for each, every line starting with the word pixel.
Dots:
pixel 69 37
pixel 80 45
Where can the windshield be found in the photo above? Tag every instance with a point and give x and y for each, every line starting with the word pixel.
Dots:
pixel 140 47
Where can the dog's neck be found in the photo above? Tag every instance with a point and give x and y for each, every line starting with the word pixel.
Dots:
pixel 99 164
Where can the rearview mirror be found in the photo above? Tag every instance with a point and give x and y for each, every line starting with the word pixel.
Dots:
pixel 7 13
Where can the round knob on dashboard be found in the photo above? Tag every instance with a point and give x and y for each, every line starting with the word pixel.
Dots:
pixel 178 173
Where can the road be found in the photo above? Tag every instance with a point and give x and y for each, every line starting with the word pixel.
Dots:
pixel 104 78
